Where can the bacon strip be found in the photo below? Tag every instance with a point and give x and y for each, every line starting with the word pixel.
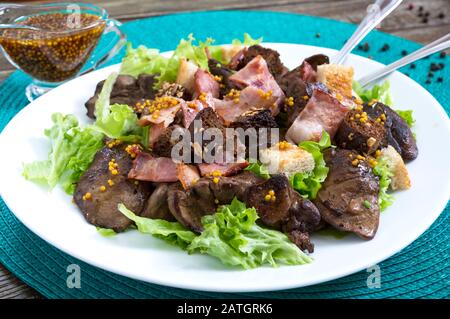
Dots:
pixel 205 83
pixel 153 169
pixel 165 116
pixel 188 175
pixel 224 169
pixel 323 112
pixel 249 99
pixel 256 73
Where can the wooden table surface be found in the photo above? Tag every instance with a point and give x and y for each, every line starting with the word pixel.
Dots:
pixel 403 22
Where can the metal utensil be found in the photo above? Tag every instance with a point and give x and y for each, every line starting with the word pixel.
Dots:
pixel 435 46
pixel 376 12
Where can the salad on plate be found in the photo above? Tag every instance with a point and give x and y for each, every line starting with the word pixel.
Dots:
pixel 222 150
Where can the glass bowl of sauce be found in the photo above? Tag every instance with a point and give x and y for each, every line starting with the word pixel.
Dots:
pixel 52 43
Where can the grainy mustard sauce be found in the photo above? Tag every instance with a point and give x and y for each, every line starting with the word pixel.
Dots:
pixel 57 51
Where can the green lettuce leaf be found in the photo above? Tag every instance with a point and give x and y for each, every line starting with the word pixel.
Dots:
pixel 232 236
pixel 172 232
pixel 186 49
pixel 248 41
pixel 407 116
pixel 72 150
pixel 106 232
pixel 258 169
pixel 308 184
pixel 118 120
pixel 142 60
pixel 382 170
pixel 380 92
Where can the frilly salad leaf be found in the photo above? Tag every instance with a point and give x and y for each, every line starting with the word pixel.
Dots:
pixel 72 150
pixel 115 121
pixel 106 232
pixel 377 92
pixel 407 116
pixel 172 232
pixel 258 169
pixel 382 170
pixel 143 60
pixel 308 184
pixel 231 235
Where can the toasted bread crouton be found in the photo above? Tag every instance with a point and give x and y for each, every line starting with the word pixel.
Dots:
pixel 286 158
pixel 400 177
pixel 337 78
pixel 186 74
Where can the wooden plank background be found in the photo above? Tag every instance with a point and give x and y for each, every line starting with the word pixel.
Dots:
pixel 402 22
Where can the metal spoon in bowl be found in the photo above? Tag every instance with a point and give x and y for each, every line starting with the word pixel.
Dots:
pixel 376 12
pixel 435 46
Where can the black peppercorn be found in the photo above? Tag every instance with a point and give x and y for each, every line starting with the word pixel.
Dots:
pixel 428 81
pixel 404 52
pixel 440 79
pixel 442 54
pixel 412 66
pixel 385 47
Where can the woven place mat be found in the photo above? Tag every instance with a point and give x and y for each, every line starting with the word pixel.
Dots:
pixel 419 271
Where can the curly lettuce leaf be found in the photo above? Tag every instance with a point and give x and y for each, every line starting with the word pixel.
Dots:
pixel 189 50
pixel 308 184
pixel 248 41
pixel 233 236
pixel 380 93
pixel 172 232
pixel 118 120
pixel 258 169
pixel 382 170
pixel 106 232
pixel 407 116
pixel 72 151
pixel 142 60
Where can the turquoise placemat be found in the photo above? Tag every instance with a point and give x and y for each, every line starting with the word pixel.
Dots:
pixel 419 271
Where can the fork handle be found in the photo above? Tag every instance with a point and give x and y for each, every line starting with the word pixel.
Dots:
pixel 435 46
pixel 376 12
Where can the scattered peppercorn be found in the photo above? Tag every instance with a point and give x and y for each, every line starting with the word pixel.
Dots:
pixel 410 6
pixel 440 79
pixel 317 35
pixel 404 52
pixel 385 47
pixel 420 8
pixel 426 14
pixel 428 81
pixel 435 67
pixel 441 15
pixel 430 74
pixel 442 54
pixel 366 46
pixel 412 66
pixel 425 20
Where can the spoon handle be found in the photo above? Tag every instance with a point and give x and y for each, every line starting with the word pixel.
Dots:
pixel 376 12
pixel 435 46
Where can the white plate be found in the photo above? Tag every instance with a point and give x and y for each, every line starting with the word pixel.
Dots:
pixel 53 217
